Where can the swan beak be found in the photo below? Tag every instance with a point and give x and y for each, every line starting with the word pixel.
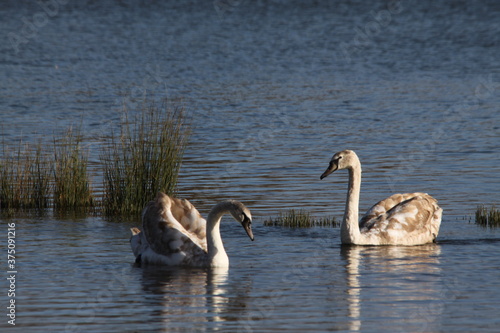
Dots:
pixel 247 225
pixel 331 168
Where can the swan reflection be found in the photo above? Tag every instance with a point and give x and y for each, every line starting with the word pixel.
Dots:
pixel 401 284
pixel 353 290
pixel 181 297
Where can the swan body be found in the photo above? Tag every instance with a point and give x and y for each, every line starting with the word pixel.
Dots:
pixel 175 234
pixel 401 219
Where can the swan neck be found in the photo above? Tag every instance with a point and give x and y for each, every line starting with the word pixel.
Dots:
pixel 215 247
pixel 350 226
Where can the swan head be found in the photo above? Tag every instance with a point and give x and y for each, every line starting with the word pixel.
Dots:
pixel 242 214
pixel 345 159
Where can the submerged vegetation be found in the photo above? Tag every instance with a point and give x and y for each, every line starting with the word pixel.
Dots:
pixel 488 217
pixel 300 219
pixel 133 166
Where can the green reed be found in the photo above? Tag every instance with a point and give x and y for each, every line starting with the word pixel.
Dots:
pixel 39 182
pixel 300 219
pixel 487 217
pixel 24 178
pixel 72 188
pixel 144 159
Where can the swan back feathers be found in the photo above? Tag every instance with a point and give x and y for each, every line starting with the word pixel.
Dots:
pixel 410 218
pixel 163 214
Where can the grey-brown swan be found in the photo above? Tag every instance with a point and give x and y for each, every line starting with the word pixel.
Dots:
pixel 175 234
pixel 401 219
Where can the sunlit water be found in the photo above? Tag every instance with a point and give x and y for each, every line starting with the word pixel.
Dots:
pixel 77 275
pixel 273 90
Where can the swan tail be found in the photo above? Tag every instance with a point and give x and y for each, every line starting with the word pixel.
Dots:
pixel 135 241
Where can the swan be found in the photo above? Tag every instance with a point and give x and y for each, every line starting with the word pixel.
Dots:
pixel 401 219
pixel 175 234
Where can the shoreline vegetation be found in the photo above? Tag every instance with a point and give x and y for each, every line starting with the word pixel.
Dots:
pixel 141 158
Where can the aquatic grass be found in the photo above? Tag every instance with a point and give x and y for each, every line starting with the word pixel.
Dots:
pixel 300 219
pixel 487 217
pixel 72 188
pixel 144 159
pixel 39 178
pixel 24 178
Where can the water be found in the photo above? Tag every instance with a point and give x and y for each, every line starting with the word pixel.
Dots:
pixel 273 90
pixel 79 277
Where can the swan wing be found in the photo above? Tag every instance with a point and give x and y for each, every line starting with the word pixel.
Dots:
pixel 415 218
pixel 189 217
pixel 165 234
pixel 383 206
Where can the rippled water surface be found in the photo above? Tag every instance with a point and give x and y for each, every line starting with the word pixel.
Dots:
pixel 272 89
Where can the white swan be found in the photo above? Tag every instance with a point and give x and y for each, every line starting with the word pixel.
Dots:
pixel 175 234
pixel 401 219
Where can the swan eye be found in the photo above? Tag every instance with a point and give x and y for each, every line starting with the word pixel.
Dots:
pixel 245 219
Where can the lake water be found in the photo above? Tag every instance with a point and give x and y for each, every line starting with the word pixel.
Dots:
pixel 273 89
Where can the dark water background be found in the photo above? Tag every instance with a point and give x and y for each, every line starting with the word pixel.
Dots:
pixel 273 89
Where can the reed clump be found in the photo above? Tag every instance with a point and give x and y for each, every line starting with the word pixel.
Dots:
pixel 300 219
pixel 24 178
pixel 144 159
pixel 72 188
pixel 487 217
